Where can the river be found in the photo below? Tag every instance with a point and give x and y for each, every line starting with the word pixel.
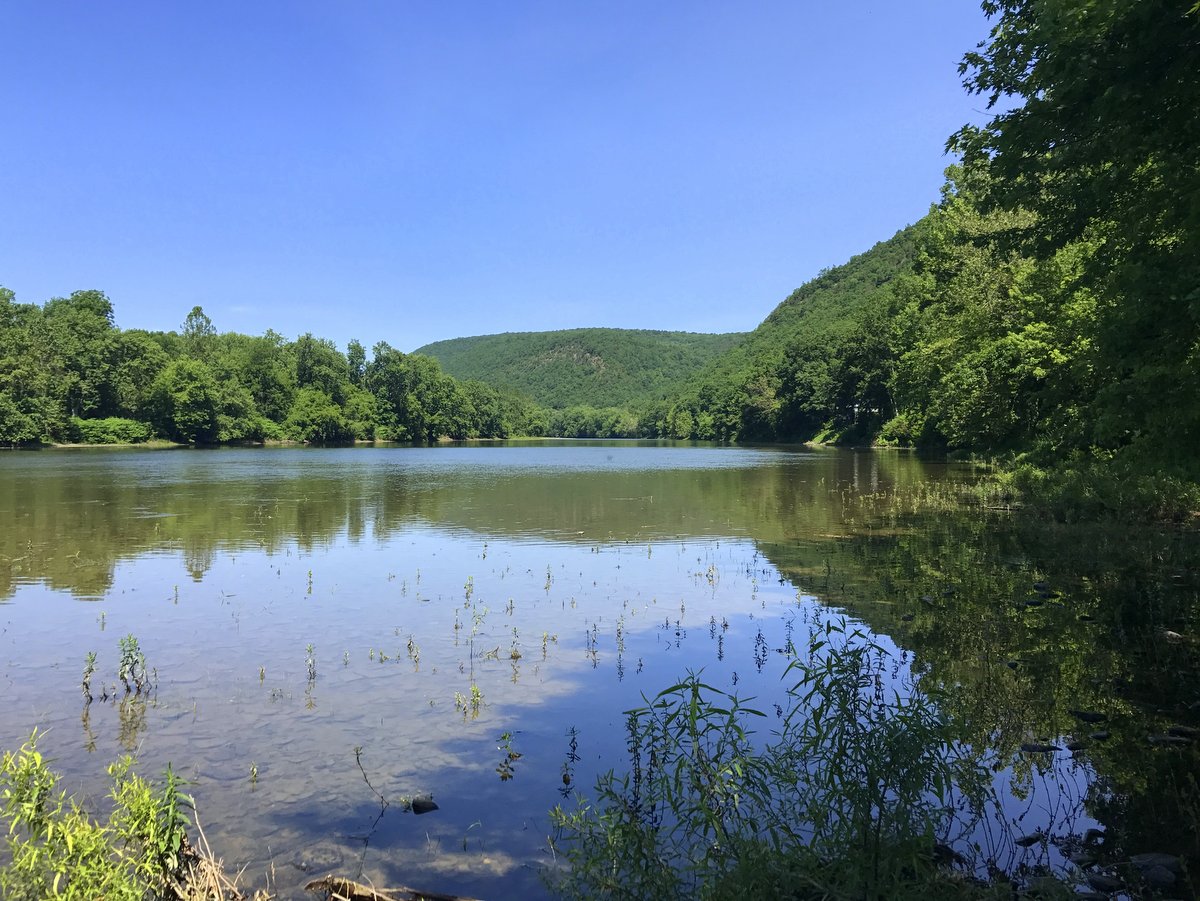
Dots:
pixel 327 630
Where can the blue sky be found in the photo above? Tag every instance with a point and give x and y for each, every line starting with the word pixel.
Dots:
pixel 412 171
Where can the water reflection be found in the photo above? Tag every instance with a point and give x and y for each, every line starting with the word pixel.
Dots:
pixel 321 616
pixel 75 516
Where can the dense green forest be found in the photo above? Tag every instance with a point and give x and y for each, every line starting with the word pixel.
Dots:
pixel 606 367
pixel 1047 309
pixel 67 373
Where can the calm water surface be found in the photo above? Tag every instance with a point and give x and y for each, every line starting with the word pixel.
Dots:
pixel 350 623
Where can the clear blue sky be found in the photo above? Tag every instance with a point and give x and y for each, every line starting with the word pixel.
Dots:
pixel 412 171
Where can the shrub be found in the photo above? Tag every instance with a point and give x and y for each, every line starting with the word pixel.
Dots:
pixel 113 430
pixel 56 850
pixel 846 799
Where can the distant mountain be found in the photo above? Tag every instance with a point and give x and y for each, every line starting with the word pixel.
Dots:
pixel 597 367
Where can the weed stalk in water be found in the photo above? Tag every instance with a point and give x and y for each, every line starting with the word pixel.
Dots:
pixel 89 669
pixel 132 671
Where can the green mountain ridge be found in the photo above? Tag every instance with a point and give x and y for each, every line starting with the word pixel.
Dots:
pixel 597 367
pixel 814 356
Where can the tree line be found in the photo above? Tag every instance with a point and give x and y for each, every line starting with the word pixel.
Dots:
pixel 1048 307
pixel 67 373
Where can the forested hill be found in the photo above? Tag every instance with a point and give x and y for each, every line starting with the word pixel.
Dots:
pixel 817 357
pixel 597 367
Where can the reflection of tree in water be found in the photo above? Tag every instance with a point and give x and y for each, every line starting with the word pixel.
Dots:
pixel 85 720
pixel 131 712
pixel 74 528
pixel 1034 624
pixel 198 559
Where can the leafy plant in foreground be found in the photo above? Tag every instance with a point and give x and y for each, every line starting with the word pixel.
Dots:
pixel 846 799
pixel 56 850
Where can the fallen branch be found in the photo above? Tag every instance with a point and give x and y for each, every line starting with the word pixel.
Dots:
pixel 339 889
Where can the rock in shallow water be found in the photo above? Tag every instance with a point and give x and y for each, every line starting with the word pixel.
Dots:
pixel 318 859
pixel 1169 741
pixel 423 804
pixel 1102 882
pixel 1158 877
pixel 1034 748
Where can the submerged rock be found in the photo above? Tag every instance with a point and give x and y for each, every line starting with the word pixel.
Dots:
pixel 1170 741
pixel 1153 859
pixel 1158 877
pixel 1036 748
pixel 318 859
pixel 1102 882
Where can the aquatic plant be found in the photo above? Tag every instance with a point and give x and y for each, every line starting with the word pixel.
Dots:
pixel 132 671
pixel 846 800
pixel 89 669
pixel 310 662
pixel 511 756
pixel 414 652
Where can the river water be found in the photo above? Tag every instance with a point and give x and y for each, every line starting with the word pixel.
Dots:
pixel 327 629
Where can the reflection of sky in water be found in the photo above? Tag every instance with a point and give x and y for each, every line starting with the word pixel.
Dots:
pixel 213 718
pixel 556 635
pixel 474 460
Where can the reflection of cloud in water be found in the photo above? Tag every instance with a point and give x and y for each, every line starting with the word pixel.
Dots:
pixel 214 719
pixel 358 563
